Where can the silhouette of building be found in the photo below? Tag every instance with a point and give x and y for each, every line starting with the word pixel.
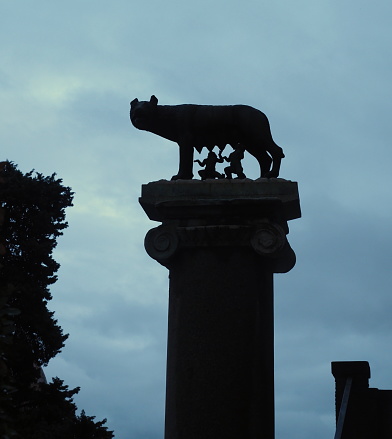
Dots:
pixel 361 412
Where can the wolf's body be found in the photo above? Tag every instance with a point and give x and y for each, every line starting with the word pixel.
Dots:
pixel 197 126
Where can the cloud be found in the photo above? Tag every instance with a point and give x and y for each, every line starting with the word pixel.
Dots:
pixel 320 71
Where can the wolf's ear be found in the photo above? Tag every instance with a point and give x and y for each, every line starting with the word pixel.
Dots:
pixel 135 101
pixel 154 100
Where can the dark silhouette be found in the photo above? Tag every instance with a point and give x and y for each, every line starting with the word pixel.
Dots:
pixel 222 244
pixel 235 163
pixel 362 412
pixel 32 217
pixel 210 163
pixel 198 126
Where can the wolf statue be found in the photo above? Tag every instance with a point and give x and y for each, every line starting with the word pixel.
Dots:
pixel 198 126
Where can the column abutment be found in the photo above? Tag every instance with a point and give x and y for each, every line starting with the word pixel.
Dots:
pixel 221 240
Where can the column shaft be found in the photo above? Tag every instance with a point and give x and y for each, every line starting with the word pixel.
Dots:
pixel 220 368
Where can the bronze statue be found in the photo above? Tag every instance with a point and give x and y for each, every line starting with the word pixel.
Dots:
pixel 210 164
pixel 235 162
pixel 198 126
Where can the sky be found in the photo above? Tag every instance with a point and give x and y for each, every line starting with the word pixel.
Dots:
pixel 321 72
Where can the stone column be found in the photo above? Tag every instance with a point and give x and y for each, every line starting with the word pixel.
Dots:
pixel 221 240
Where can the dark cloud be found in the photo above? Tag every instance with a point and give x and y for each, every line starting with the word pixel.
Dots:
pixel 320 72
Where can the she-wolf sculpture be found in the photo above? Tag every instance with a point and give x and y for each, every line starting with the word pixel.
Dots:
pixel 199 126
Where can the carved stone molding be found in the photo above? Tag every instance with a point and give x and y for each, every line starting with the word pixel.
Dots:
pixel 161 243
pixel 268 239
pixel 265 238
pixel 222 214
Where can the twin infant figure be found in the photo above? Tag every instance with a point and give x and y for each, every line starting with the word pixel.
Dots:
pixel 212 159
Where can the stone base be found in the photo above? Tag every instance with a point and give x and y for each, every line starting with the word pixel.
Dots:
pixel 221 240
pixel 159 196
pixel 216 213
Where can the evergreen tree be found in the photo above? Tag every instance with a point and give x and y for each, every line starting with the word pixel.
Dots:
pixel 32 217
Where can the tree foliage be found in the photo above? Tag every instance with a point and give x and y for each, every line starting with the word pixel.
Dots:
pixel 51 414
pixel 32 217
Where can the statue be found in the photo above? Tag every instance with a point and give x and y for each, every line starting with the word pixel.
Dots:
pixel 235 162
pixel 199 126
pixel 210 163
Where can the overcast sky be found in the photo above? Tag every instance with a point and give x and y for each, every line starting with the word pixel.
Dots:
pixel 319 69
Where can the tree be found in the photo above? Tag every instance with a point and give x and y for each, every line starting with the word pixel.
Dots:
pixel 32 217
pixel 52 415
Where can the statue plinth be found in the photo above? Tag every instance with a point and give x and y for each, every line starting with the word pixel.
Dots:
pixel 221 240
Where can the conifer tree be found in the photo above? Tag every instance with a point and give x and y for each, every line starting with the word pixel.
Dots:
pixel 32 217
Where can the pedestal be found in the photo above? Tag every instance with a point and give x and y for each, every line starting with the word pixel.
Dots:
pixel 221 240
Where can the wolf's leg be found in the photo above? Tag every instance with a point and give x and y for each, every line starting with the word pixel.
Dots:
pixel 264 162
pixel 185 171
pixel 277 155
